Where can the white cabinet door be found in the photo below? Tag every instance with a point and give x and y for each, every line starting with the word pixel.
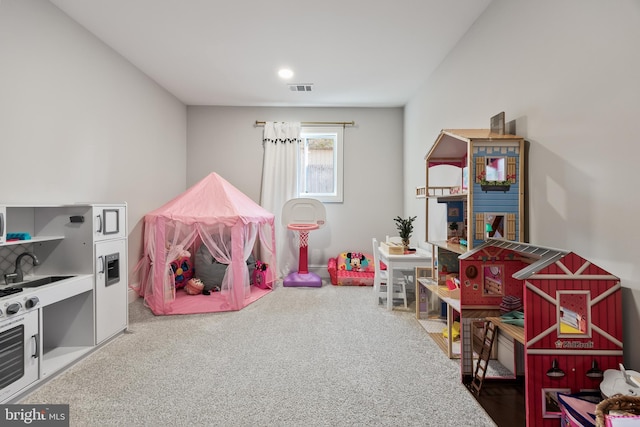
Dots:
pixel 109 222
pixel 111 288
pixel 20 354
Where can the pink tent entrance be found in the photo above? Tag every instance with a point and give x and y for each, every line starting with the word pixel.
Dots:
pixel 212 213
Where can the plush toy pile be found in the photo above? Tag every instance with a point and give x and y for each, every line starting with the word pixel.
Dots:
pixel 210 272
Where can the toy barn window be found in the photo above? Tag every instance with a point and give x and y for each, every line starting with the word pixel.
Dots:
pixel 492 280
pixel 573 310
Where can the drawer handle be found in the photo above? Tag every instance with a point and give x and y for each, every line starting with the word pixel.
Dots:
pixel 36 339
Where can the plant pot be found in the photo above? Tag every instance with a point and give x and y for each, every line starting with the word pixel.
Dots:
pixel 405 243
pixel 488 187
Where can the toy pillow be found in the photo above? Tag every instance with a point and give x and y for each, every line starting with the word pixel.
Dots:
pixel 355 261
pixel 211 272
pixel 182 271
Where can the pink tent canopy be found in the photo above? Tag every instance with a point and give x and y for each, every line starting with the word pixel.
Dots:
pixel 214 213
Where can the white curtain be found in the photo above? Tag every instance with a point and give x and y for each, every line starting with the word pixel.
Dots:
pixel 279 184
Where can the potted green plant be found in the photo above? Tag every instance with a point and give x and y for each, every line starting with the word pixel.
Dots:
pixel 405 228
pixel 453 226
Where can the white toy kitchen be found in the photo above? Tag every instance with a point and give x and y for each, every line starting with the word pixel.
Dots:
pixel 63 288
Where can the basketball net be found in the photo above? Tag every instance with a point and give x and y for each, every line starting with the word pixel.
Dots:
pixel 303 242
pixel 303 239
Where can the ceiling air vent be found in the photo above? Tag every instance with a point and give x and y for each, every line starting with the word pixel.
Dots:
pixel 300 87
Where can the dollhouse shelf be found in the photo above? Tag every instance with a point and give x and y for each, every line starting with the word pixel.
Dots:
pixel 445 193
pixel 450 197
pixel 515 332
pixel 452 299
pixel 451 247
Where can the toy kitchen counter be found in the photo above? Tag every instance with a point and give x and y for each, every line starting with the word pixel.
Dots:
pixel 72 295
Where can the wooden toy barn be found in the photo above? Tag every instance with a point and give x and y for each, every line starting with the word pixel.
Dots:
pixel 572 326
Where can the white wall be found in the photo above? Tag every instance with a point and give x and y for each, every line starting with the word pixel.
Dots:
pixel 567 73
pixel 225 140
pixel 78 123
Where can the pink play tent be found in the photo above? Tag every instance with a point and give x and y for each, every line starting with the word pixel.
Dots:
pixel 212 213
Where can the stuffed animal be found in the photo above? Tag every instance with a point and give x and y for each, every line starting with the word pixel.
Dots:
pixel 181 266
pixel 194 286
pixel 356 261
pixel 182 271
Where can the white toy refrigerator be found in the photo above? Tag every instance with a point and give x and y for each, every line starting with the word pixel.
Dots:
pixel 110 255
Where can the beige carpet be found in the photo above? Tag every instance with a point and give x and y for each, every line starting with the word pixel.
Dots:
pixel 297 357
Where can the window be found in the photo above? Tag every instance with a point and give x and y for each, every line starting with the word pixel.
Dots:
pixel 495 169
pixel 320 164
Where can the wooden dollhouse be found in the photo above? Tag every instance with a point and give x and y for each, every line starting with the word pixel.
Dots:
pixel 572 326
pixel 487 199
pixel 483 197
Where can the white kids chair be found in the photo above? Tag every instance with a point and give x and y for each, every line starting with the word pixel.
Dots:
pixel 381 280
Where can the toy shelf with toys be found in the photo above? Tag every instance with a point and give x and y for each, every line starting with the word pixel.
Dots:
pixel 438 305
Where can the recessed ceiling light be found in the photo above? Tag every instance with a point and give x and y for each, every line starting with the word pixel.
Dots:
pixel 285 73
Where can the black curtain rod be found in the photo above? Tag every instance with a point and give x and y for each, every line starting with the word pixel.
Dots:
pixel 351 123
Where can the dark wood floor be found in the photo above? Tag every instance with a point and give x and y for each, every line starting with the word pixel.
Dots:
pixel 504 402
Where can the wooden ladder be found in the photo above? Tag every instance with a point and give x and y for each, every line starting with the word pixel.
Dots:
pixel 483 357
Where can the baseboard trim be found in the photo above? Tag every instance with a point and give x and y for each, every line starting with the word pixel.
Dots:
pixel 132 296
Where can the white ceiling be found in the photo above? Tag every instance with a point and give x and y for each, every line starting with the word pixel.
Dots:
pixel 357 53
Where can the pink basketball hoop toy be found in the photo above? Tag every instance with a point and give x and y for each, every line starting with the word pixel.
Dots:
pixel 303 216
pixel 303 244
pixel 303 227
